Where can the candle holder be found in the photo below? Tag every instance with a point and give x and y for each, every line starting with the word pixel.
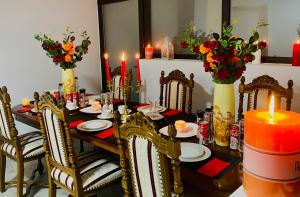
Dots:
pixel 109 85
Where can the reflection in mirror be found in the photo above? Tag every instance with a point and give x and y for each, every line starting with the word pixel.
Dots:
pixel 170 17
pixel 283 18
pixel 124 37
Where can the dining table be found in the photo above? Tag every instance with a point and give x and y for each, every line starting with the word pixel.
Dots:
pixel 195 183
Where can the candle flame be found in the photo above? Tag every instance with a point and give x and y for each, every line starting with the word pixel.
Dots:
pixel 137 56
pixel 271 106
pixel 298 41
pixel 123 56
pixel 157 46
pixel 149 45
pixel 106 55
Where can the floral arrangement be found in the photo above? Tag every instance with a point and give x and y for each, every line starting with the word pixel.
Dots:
pixel 224 56
pixel 65 54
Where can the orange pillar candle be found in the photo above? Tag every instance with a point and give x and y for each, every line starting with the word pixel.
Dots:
pixel 272 153
pixel 107 67
pixel 149 52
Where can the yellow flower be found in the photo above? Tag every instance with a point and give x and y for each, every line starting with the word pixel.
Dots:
pixel 209 57
pixel 203 49
pixel 68 58
pixel 212 65
pixel 68 46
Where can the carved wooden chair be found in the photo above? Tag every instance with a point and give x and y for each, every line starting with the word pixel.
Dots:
pixel 175 94
pixel 145 157
pixel 116 82
pixel 20 148
pixel 270 86
pixel 79 175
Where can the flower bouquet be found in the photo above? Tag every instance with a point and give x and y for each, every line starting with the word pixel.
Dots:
pixel 66 55
pixel 225 57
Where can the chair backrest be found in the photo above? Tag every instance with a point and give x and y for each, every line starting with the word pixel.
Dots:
pixel 8 131
pixel 175 94
pixel 144 157
pixel 58 143
pixel 264 86
pixel 116 81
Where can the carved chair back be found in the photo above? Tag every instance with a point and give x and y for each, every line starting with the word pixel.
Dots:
pixel 173 90
pixel 58 143
pixel 8 131
pixel 144 157
pixel 116 81
pixel 264 86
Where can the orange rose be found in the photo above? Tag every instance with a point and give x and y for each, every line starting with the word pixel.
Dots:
pixel 203 49
pixel 235 59
pixel 71 52
pixel 68 46
pixel 209 57
pixel 68 58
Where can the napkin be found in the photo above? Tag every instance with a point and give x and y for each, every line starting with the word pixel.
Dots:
pixel 213 167
pixel 106 133
pixel 117 101
pixel 75 123
pixel 140 105
pixel 24 109
pixel 172 112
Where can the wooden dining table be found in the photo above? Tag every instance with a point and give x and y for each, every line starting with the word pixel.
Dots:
pixel 195 184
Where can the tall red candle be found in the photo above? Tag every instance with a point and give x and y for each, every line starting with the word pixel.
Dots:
pixel 123 68
pixel 107 67
pixel 137 60
pixel 296 54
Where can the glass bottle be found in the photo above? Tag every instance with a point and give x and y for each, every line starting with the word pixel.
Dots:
pixel 241 140
pixel 82 103
pixel 60 90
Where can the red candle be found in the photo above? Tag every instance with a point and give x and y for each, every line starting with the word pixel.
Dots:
pixel 107 67
pixel 123 68
pixel 137 60
pixel 149 52
pixel 296 54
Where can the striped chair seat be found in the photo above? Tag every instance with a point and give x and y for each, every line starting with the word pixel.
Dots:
pixel 31 143
pixel 93 174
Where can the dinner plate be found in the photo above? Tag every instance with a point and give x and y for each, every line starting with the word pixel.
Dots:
pixel 191 130
pixel 89 110
pixel 187 156
pixel 110 116
pixel 155 116
pixel 146 109
pixel 73 108
pixel 94 125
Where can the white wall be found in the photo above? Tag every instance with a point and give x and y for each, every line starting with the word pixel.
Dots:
pixel 24 66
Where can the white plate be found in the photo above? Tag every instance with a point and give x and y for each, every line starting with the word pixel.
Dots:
pixel 82 126
pixel 195 147
pixel 146 109
pixel 191 150
pixel 33 110
pixel 92 125
pixel 89 110
pixel 73 108
pixel 191 127
pixel 155 116
pixel 110 116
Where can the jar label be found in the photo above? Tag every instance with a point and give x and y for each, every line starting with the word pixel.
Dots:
pixel 274 167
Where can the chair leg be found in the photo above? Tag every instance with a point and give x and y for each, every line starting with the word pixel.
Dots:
pixel 52 188
pixel 2 172
pixel 20 177
pixel 40 166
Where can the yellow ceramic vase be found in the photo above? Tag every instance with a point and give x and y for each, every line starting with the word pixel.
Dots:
pixel 68 81
pixel 224 107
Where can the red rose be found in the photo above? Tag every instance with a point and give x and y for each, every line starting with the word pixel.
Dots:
pixel 184 45
pixel 196 49
pixel 206 66
pixel 262 44
pixel 72 38
pixel 59 47
pixel 222 74
pixel 52 47
pixel 77 48
pixel 56 59
pixel 239 72
pixel 248 58
pixel 218 57
pixel 230 52
pixel 44 45
pixel 214 44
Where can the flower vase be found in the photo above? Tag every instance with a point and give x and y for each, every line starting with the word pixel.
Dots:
pixel 68 81
pixel 224 111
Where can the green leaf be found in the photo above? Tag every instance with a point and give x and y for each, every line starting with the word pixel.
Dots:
pixel 256 36
pixel 216 36
pixel 224 43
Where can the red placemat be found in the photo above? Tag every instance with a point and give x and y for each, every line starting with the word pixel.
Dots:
pixel 24 109
pixel 106 133
pixel 172 112
pixel 140 105
pixel 213 167
pixel 75 123
pixel 117 101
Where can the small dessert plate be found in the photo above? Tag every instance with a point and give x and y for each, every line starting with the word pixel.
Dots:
pixel 190 130
pixel 192 152
pixel 104 117
pixel 89 110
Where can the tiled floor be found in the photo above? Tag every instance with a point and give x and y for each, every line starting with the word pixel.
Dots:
pixel 112 191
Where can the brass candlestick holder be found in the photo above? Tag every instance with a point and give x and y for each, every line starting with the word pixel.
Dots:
pixel 109 85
